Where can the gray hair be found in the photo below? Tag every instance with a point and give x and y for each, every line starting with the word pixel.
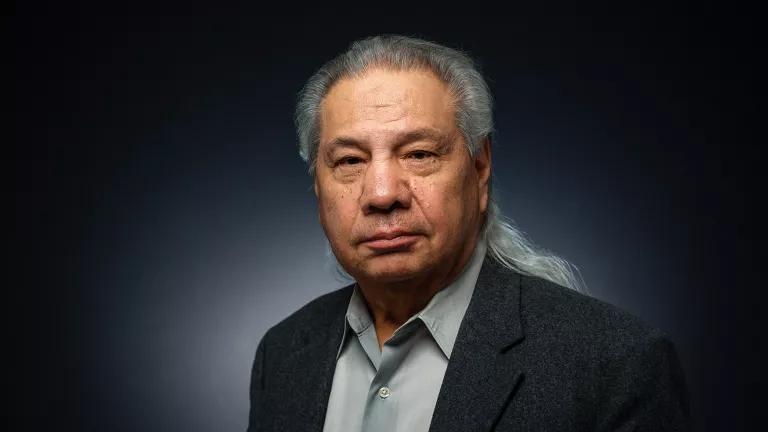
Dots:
pixel 474 119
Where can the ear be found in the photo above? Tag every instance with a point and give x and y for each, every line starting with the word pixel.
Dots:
pixel 483 168
pixel 315 184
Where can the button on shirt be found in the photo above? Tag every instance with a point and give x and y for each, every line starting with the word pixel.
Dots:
pixel 395 388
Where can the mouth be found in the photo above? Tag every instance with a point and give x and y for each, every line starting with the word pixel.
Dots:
pixel 391 242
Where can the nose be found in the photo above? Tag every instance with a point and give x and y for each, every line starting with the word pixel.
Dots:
pixel 386 188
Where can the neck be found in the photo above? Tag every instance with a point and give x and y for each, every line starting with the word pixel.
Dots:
pixel 393 303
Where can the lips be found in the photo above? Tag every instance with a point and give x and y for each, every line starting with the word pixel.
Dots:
pixel 390 241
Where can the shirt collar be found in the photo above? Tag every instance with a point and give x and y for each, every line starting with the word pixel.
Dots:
pixel 443 314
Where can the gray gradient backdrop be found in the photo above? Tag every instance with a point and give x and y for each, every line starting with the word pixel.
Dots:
pixel 164 220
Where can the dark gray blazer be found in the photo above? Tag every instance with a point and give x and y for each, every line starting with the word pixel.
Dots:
pixel 530 356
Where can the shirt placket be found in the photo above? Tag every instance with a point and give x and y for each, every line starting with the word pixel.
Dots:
pixel 381 404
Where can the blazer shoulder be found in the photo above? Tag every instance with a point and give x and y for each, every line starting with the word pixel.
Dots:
pixel 626 370
pixel 553 312
pixel 314 316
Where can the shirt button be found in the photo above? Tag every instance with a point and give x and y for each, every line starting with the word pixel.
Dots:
pixel 384 392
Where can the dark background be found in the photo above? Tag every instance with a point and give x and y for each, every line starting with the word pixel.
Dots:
pixel 163 219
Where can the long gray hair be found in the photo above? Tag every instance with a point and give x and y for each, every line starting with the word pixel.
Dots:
pixel 474 119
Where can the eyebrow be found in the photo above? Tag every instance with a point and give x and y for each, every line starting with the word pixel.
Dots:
pixel 401 139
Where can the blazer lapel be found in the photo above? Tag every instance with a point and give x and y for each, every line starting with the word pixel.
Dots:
pixel 482 375
pixel 309 373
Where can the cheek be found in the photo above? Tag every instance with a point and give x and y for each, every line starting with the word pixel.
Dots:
pixel 337 210
pixel 449 205
pixel 441 202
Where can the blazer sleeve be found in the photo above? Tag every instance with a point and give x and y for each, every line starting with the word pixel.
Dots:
pixel 644 390
pixel 257 410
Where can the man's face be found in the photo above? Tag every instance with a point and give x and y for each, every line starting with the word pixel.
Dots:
pixel 399 196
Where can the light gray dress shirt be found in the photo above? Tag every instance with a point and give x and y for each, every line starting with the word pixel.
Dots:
pixel 395 388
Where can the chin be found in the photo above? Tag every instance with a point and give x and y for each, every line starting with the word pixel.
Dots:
pixel 392 267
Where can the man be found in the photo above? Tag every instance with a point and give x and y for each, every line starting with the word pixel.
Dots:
pixel 454 322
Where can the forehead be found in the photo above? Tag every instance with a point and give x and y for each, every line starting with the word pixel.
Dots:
pixel 386 101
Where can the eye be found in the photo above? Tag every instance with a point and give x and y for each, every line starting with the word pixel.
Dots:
pixel 420 155
pixel 349 160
